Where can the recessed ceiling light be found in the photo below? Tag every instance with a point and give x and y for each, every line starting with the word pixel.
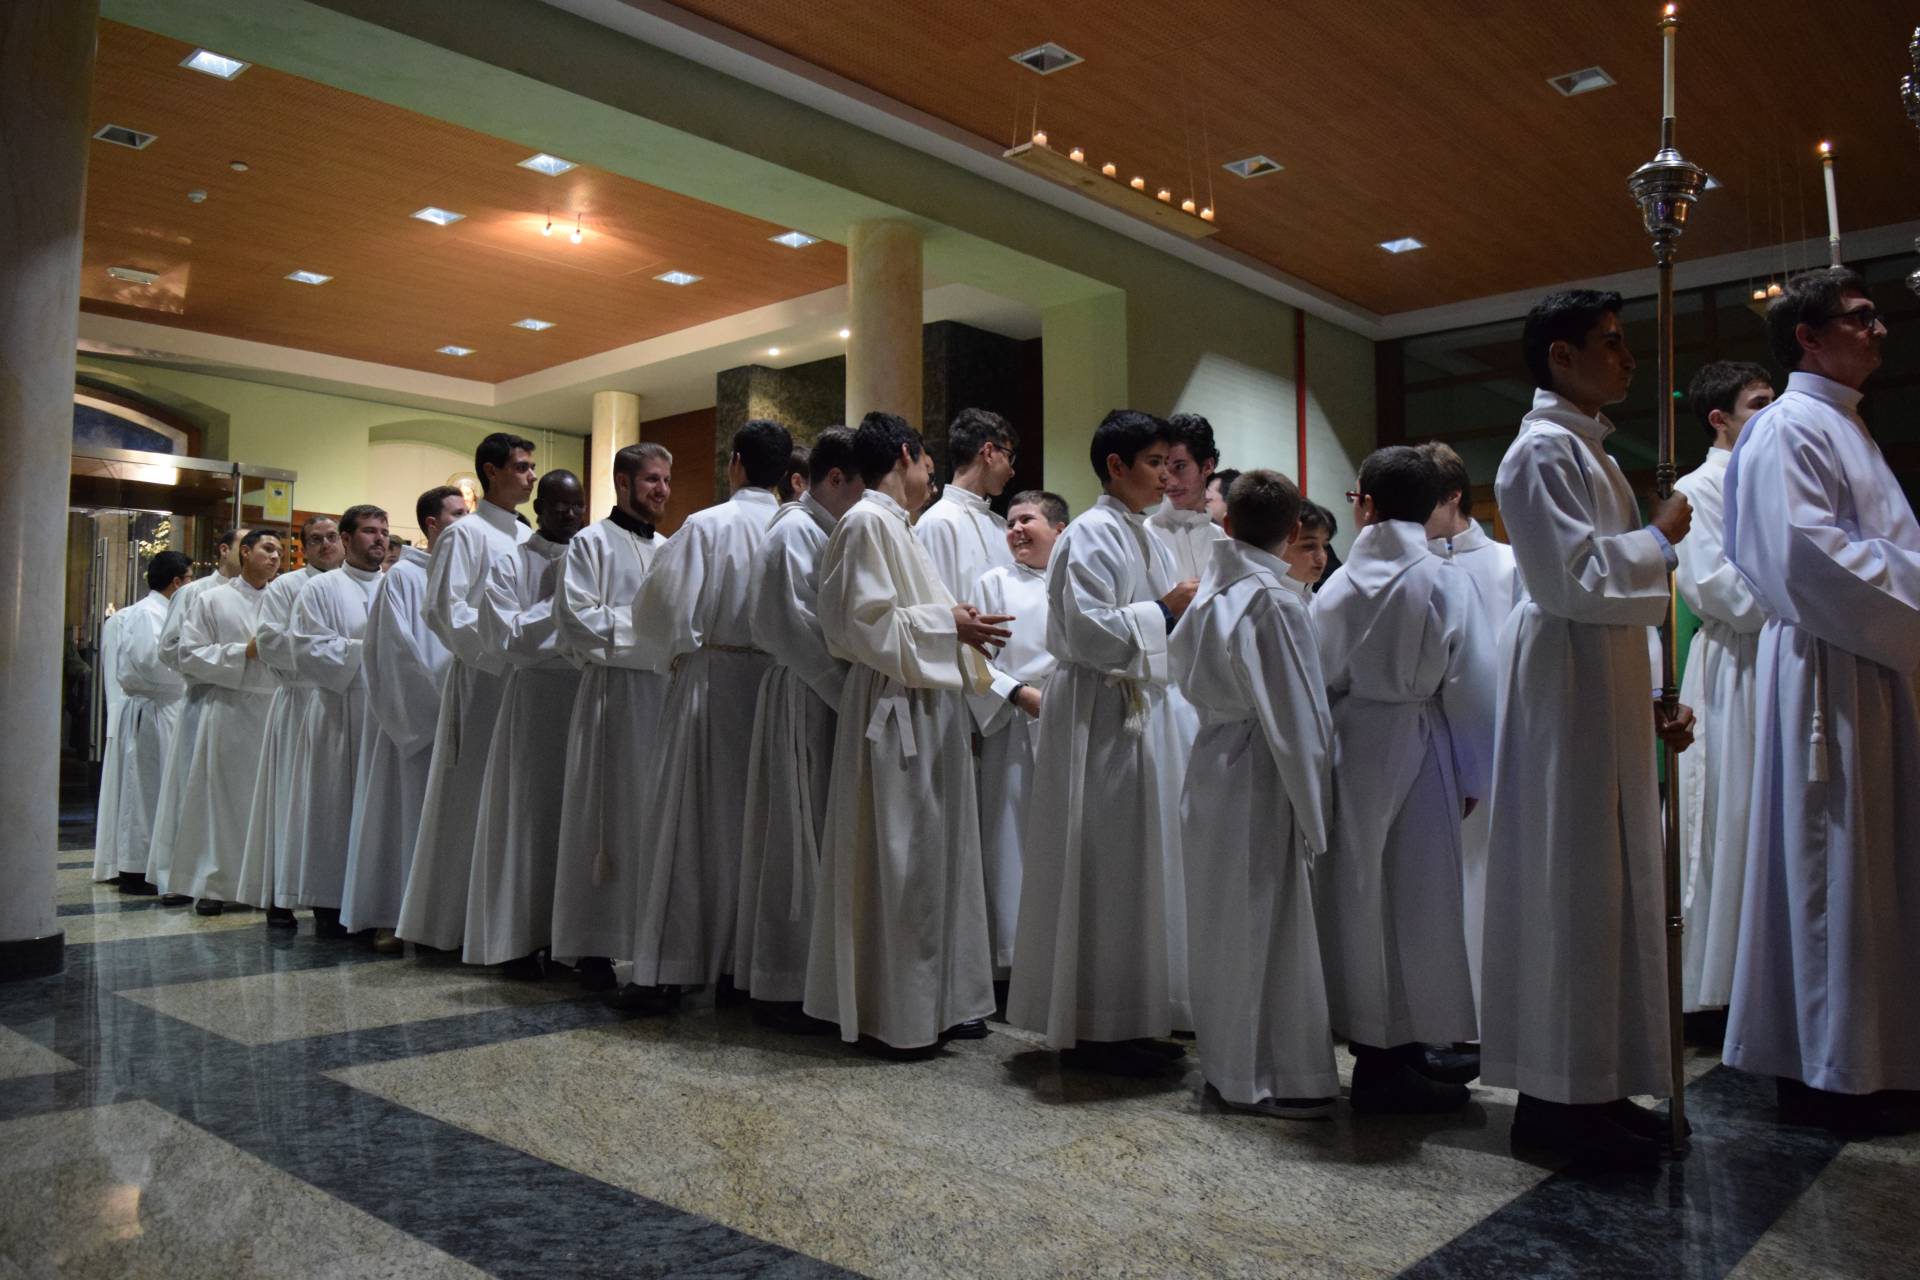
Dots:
pixel 214 64
pixel 552 166
pixel 133 275
pixel 1585 80
pixel 308 277
pixel 1253 167
pixel 438 217
pixel 773 351
pixel 451 350
pixel 795 239
pixel 1405 244
pixel 121 136
pixel 846 333
pixel 1047 58
pixel 531 323
pixel 676 277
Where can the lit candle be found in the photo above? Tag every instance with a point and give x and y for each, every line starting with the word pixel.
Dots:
pixel 1833 205
pixel 1039 138
pixel 1186 206
pixel 1759 295
pixel 1077 156
pixel 1138 184
pixel 1164 195
pixel 1207 214
pixel 1109 170
pixel 1669 24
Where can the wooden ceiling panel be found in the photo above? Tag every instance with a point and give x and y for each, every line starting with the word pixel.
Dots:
pixel 1401 117
pixel 330 183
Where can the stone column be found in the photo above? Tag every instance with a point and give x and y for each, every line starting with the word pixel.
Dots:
pixel 884 308
pixel 616 424
pixel 46 75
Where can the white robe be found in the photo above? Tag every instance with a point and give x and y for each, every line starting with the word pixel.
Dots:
pixel 516 842
pixel 404 665
pixel 1573 995
pixel 1258 801
pixel 1007 737
pixel 1188 537
pixel 1716 772
pixel 106 814
pixel 899 948
pixel 433 910
pixel 173 776
pixel 963 537
pixel 212 834
pixel 1093 932
pixel 791 759
pixel 612 742
pixel 270 816
pixel 148 715
pixel 1490 567
pixel 691 618
pixel 1826 984
pixel 1409 673
pixel 329 623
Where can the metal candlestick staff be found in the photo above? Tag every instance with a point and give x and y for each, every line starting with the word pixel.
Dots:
pixel 1910 95
pixel 1665 188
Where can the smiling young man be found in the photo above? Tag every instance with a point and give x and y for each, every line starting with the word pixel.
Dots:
pixel 962 534
pixel 1826 995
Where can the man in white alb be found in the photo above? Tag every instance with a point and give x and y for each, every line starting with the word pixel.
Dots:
pixel 147 718
pixel 962 534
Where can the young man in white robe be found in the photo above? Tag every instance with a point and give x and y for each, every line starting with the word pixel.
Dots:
pixel 1008 714
pixel 217 647
pixel 106 813
pixel 1453 534
pixel 1258 803
pixel 1093 972
pixel 173 777
pixel 1409 677
pixel 614 738
pixel 899 951
pixel 1307 553
pixel 1716 775
pixel 403 664
pixel 1826 984
pixel 1574 869
pixel 1218 485
pixel 516 842
pixel 433 910
pixel 152 692
pixel 270 818
pixel 962 533
pixel 792 749
pixel 691 620
pixel 329 626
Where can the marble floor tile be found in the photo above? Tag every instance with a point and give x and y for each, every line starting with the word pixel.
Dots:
pixel 159 922
pixel 1839 1227
pixel 270 1007
pixel 130 1190
pixel 20 1056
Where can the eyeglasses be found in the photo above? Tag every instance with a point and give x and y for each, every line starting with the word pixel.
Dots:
pixel 1865 317
pixel 1353 495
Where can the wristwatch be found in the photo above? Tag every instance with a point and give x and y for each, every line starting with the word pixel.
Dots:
pixel 1013 694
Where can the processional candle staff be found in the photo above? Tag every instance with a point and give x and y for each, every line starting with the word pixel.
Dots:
pixel 1910 95
pixel 1833 206
pixel 1665 188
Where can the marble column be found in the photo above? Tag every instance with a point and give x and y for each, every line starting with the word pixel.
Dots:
pixel 884 292
pixel 616 424
pixel 46 74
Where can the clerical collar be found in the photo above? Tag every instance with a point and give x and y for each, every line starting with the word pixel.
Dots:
pixel 1558 409
pixel 496 515
pixel 1167 513
pixel 1821 388
pixel 632 524
pixel 965 499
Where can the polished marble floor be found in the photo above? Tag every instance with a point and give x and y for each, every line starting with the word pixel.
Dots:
pixel 198 1097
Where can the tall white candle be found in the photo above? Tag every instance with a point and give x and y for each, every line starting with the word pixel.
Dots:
pixel 1669 23
pixel 1833 204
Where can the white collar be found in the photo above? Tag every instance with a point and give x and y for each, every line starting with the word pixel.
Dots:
pixel 413 556
pixel 1119 508
pixel 966 500
pixel 1553 408
pixel 1028 571
pixel 495 514
pixel 541 545
pixel 1178 517
pixel 361 575
pixel 885 502
pixel 758 497
pixel 1382 552
pixel 1838 394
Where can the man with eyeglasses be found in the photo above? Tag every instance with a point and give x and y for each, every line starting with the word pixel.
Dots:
pixel 962 534
pixel 1826 987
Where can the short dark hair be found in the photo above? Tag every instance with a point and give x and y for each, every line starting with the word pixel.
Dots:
pixel 433 503
pixel 1811 298
pixel 1224 477
pixel 306 526
pixel 1562 317
pixel 1264 507
pixel 763 447
pixel 165 567
pixel 253 536
pixel 1125 432
pixel 1718 386
pixel 496 450
pixel 797 468
pixel 832 451
pixel 226 538
pixel 359 514
pixel 1195 432
pixel 1052 505
pixel 1403 483
pixel 1314 516
pixel 1453 474
pixel 877 443
pixel 632 459
pixel 972 430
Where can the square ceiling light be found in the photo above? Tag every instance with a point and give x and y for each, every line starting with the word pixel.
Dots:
pixel 552 166
pixel 1253 167
pixel 676 277
pixel 1575 83
pixel 121 136
pixel 795 239
pixel 307 277
pixel 438 217
pixel 1405 244
pixel 133 275
pixel 1047 58
pixel 451 350
pixel 531 323
pixel 214 64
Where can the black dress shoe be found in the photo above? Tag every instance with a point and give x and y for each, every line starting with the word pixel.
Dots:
pixel 175 899
pixel 281 918
pixel 1385 1084
pixel 648 1002
pixel 1584 1136
pixel 893 1053
pixel 971 1029
pixel 209 907
pixel 1447 1065
pixel 1171 1052
pixel 725 994
pixel 525 968
pixel 789 1017
pixel 326 923
pixel 596 973
pixel 1107 1058
pixel 137 885
pixel 1657 1126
